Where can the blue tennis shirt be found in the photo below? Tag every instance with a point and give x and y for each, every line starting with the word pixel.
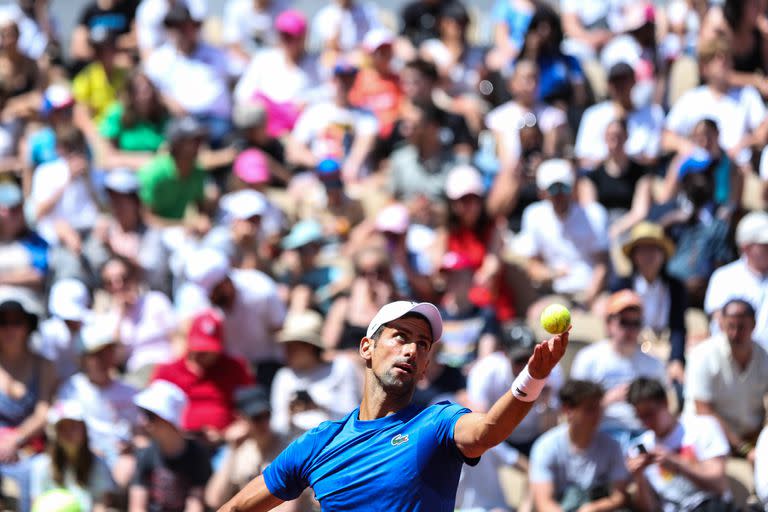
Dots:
pixel 405 461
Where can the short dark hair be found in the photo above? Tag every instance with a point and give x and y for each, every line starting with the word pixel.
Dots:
pixel 644 388
pixel 71 140
pixel 426 68
pixel 749 309
pixel 576 392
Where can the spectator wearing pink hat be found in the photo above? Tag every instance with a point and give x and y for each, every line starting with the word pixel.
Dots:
pixel 292 74
pixel 251 119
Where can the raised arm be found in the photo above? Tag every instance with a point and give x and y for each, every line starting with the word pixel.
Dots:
pixel 475 433
pixel 254 497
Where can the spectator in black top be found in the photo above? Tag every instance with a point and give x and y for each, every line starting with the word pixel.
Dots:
pixel 172 471
pixel 664 297
pixel 419 19
pixel 113 15
pixel 620 183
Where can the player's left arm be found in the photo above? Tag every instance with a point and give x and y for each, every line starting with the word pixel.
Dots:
pixel 475 433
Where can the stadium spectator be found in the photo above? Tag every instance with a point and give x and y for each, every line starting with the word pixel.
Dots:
pixel 26 395
pixel 105 402
pixel 730 364
pixel 745 277
pixel 480 487
pixel 678 464
pixel 250 26
pixel 615 362
pixel 115 16
pixel 21 79
pixel 251 446
pixel 574 465
pixel 663 297
pixel 564 241
pixel 510 24
pixel 340 25
pixel 418 19
pixel 172 471
pixel 151 30
pixel 56 110
pixel 70 463
pixel 644 124
pixel 308 390
pixel 208 376
pixel 23 253
pixel 589 25
pixel 251 119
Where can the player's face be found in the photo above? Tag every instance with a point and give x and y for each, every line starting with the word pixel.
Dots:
pixel 400 356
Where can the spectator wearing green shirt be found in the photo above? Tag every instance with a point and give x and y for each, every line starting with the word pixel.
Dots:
pixel 172 181
pixel 134 128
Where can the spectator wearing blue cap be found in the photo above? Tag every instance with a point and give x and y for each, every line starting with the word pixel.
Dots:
pixel 23 253
pixel 341 213
pixel 335 129
pixel 693 222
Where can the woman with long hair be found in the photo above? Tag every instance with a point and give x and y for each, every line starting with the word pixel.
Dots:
pixel 134 127
pixel 69 463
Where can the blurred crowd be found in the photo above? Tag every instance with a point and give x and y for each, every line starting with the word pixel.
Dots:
pixel 200 215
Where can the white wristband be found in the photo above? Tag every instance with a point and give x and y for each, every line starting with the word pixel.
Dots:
pixel 526 388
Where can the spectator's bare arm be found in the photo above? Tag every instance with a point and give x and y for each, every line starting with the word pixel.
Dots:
pixel 138 498
pixel 505 191
pixel 543 497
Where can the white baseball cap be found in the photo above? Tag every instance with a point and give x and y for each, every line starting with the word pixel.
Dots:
pixel 393 219
pixel 69 300
pixel 206 268
pixel 122 181
pixel 244 204
pixel 400 308
pixel 165 399
pixel 555 170
pixel 66 409
pixel 752 229
pixel 376 38
pixel 98 332
pixel 463 180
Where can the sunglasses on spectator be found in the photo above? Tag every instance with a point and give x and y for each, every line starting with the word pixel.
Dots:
pixel 559 188
pixel 12 320
pixel 630 323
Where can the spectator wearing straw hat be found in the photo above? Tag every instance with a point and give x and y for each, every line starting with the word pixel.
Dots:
pixel 663 296
pixel 208 376
pixel 308 390
pixel 746 277
pixel 172 471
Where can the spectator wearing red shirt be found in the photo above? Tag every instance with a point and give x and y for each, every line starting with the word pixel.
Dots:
pixel 207 375
pixel 377 88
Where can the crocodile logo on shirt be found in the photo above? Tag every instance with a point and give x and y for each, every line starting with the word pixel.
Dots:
pixel 399 439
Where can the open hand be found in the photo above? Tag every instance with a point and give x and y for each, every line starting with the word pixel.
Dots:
pixel 547 354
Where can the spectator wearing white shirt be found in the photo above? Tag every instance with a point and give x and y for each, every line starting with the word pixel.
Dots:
pixel 746 277
pixel 335 129
pixel 253 310
pixel 150 16
pixel 341 25
pixel 644 124
pixel 293 73
pixel 524 111
pixel 192 76
pixel 615 362
pixel 739 111
pixel 65 205
pixel 726 378
pixel 677 464
pixel 309 390
pixel 107 403
pixel 565 241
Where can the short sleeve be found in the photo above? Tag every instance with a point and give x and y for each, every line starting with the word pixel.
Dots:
pixel 541 461
pixel 285 477
pixel 111 126
pixel 698 384
pixel 710 440
pixel 445 428
pixel 755 107
pixel 142 474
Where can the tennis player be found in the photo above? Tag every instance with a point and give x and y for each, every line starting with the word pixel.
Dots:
pixel 389 455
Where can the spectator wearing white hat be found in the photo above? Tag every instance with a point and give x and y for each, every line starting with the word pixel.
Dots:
pixel 172 471
pixel 253 311
pixel 29 386
pixel 57 110
pixel 309 390
pixel 746 277
pixel 565 241
pixel 70 463
pixel 106 403
pixel 239 234
pixel 69 303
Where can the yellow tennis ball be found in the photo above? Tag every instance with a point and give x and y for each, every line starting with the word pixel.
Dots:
pixel 555 319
